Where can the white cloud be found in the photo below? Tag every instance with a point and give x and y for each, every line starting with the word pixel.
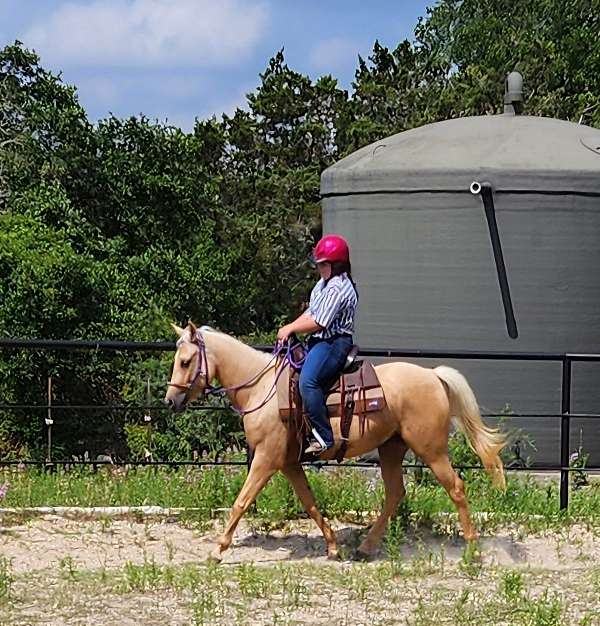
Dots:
pixel 159 95
pixel 181 88
pixel 103 91
pixel 110 88
pixel 155 33
pixel 334 53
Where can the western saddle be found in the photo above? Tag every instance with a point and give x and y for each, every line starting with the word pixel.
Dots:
pixel 356 392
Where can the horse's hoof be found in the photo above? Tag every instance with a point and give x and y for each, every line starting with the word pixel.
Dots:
pixel 214 557
pixel 362 555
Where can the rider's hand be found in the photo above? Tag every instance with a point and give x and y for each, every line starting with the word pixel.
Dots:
pixel 283 334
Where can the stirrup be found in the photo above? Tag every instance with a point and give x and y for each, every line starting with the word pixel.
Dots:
pixel 315 448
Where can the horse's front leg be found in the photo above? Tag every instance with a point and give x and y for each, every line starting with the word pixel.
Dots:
pixel 260 472
pixel 295 474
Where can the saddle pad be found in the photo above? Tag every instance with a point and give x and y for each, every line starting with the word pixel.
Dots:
pixel 367 402
pixel 368 393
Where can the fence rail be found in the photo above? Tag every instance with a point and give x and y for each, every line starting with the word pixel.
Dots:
pixel 565 415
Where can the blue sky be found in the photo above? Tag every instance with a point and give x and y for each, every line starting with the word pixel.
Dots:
pixel 181 59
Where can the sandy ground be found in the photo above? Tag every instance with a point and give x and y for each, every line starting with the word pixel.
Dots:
pixel 40 549
pixel 42 542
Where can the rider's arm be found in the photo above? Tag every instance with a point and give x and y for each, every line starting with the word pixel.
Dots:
pixel 324 306
pixel 305 324
pixel 302 324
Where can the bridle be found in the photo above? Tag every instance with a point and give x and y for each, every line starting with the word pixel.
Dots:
pixel 285 351
pixel 200 370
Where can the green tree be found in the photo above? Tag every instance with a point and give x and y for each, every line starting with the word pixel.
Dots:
pixel 111 230
pixel 49 142
pixel 554 44
pixel 461 54
pixel 275 154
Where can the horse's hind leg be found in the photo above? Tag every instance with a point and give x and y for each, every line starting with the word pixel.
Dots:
pixel 295 474
pixel 258 476
pixel 444 472
pixel 391 455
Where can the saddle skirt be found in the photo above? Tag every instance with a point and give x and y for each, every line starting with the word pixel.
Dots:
pixel 364 385
pixel 354 393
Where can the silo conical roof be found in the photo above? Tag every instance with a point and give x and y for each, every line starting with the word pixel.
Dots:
pixel 513 152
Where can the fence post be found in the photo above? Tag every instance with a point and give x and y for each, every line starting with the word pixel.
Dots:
pixel 565 431
pixel 49 421
pixel 148 422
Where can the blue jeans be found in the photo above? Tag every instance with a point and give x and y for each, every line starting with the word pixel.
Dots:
pixel 324 362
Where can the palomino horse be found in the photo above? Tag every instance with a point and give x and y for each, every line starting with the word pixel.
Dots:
pixel 420 403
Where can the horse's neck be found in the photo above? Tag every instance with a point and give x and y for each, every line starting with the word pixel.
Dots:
pixel 235 364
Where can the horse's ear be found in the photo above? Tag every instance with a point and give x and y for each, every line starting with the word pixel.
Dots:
pixel 193 330
pixel 178 330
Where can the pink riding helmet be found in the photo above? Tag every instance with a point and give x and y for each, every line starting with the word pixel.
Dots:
pixel 332 248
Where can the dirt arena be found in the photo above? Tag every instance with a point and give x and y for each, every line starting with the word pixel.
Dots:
pixel 59 571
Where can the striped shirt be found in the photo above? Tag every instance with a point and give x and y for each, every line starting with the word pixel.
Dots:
pixel 333 306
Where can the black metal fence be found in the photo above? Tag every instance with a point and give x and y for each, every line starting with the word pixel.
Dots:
pixel 565 415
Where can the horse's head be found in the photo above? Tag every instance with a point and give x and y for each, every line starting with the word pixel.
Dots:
pixel 192 369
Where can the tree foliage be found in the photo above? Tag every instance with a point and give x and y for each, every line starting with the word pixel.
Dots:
pixel 110 230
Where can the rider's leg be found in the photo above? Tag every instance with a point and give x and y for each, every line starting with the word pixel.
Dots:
pixel 323 364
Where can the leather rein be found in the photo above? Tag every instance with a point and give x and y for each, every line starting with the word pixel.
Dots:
pixel 202 371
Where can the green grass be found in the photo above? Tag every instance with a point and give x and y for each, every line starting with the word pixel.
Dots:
pixel 6 580
pixel 471 608
pixel 344 493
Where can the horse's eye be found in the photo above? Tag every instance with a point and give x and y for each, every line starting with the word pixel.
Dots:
pixel 185 364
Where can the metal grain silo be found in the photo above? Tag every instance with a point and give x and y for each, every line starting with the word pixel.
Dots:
pixel 413 207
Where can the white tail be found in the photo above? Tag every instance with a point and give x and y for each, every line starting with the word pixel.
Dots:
pixel 486 442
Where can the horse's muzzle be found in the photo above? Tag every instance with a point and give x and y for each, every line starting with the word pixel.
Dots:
pixel 174 405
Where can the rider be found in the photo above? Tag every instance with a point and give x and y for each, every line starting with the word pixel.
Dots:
pixel 330 321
